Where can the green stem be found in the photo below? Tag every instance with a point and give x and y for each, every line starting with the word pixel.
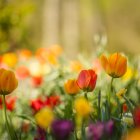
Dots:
pixel 6 119
pixel 109 95
pixel 99 105
pixel 83 134
pixel 75 133
pixel 111 85
pixel 85 94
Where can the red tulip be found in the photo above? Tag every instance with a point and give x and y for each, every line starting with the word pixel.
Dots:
pixel 37 104
pixel 87 80
pixel 52 101
pixel 125 108
pixel 10 103
pixel 136 116
pixel 37 81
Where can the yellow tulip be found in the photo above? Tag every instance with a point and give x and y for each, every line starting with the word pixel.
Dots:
pixel 82 107
pixel 71 87
pixel 115 65
pixel 10 59
pixel 44 117
pixel 8 81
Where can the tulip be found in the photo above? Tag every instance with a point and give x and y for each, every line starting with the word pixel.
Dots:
pixel 62 129
pixel 133 135
pixel 87 80
pixel 71 87
pixel 25 54
pixel 44 117
pixel 136 116
pixel 115 65
pixel 95 131
pixel 36 81
pixel 98 130
pixel 10 103
pixel 124 107
pixel 37 104
pixel 22 72
pixel 109 126
pixel 82 107
pixel 10 59
pixel 52 101
pixel 8 81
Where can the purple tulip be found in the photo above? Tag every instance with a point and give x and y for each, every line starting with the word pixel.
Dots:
pixel 95 131
pixel 98 130
pixel 62 129
pixel 109 126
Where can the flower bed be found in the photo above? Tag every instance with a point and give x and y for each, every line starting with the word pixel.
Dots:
pixel 93 98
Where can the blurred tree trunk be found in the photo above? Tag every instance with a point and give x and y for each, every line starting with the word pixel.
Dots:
pixel 86 26
pixel 51 22
pixel 70 26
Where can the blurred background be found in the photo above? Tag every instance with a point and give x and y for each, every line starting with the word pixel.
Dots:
pixel 76 25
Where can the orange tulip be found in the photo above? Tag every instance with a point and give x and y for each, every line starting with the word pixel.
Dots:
pixel 115 65
pixel 8 81
pixel 25 54
pixel 71 87
pixel 87 80
pixel 133 135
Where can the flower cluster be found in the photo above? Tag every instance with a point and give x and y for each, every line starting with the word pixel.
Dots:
pixel 57 99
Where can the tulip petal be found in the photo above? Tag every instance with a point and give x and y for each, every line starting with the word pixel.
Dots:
pixel 71 87
pixel 83 79
pixel 121 66
pixel 93 79
pixel 112 62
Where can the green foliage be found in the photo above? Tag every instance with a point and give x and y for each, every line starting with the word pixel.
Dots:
pixel 14 27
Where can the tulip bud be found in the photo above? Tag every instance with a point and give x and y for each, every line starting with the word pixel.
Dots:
pixel 8 81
